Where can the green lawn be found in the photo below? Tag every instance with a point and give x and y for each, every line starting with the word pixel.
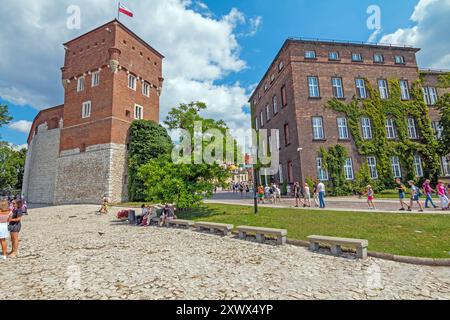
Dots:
pixel 401 234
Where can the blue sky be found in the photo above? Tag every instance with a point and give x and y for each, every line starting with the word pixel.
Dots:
pixel 341 20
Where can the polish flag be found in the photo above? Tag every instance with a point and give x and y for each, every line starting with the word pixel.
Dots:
pixel 125 10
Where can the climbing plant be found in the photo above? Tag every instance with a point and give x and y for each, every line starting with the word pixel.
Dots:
pixel 333 161
pixel 379 110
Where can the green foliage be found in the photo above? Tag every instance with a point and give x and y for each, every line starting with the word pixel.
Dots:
pixel 378 110
pixel 334 161
pixel 443 105
pixel 5 118
pixel 148 140
pixel 12 168
pixel 444 80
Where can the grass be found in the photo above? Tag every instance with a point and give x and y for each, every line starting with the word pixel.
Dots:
pixel 401 234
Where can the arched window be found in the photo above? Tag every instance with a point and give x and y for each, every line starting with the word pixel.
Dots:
pixel 275 105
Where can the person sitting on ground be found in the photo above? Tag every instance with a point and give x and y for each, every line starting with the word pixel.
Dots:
pixel 105 204
pixel 415 196
pixel 370 197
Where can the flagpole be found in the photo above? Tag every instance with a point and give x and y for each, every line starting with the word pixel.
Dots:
pixel 118 11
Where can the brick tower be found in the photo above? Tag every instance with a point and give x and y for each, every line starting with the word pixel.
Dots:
pixel 110 77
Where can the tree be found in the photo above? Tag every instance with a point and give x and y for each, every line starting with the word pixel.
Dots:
pixel 12 168
pixel 5 118
pixel 443 105
pixel 148 140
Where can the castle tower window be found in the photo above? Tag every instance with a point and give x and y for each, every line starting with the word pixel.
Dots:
pixel 399 60
pixel 86 109
pixel 80 84
pixel 138 112
pixel 95 79
pixel 132 82
pixel 146 89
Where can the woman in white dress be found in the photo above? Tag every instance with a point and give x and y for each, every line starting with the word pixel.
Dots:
pixel 4 233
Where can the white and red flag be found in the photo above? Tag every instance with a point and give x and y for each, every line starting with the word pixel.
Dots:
pixel 125 10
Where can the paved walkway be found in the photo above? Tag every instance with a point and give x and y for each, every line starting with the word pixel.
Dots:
pixel 333 203
pixel 69 252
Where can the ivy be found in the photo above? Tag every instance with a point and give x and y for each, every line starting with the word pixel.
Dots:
pixel 379 110
pixel 333 161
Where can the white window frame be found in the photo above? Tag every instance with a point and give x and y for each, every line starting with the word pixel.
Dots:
pixel 357 57
pixel 138 112
pixel 313 87
pixel 86 109
pixel 390 129
pixel 361 91
pixel 277 138
pixel 348 170
pixel 399 59
pixel 333 55
pixel 322 174
pixel 418 167
pixel 318 131
pixel 404 88
pixel 383 89
pixel 438 130
pixel 430 95
pixel 80 84
pixel 146 89
pixel 396 168
pixel 280 66
pixel 412 129
pixel 132 81
pixel 338 90
pixel 256 123
pixel 310 54
pixel 342 128
pixel 366 125
pixel 378 58
pixel 95 81
pixel 267 113
pixel 275 104
pixel 372 162
pixel 261 118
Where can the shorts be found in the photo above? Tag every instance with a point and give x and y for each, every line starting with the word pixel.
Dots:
pixel 370 198
pixel 401 196
pixel 15 227
pixel 415 198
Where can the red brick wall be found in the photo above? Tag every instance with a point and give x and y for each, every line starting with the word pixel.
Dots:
pixel 50 116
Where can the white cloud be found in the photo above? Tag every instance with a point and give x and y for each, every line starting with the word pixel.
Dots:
pixel 255 25
pixel 200 50
pixel 23 126
pixel 429 32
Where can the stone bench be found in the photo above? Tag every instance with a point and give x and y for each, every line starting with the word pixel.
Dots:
pixel 180 223
pixel 260 233
pixel 336 243
pixel 213 227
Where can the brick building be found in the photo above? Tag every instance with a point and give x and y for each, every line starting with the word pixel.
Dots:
pixel 306 74
pixel 78 151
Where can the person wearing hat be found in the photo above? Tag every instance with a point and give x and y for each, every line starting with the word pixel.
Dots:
pixel 370 197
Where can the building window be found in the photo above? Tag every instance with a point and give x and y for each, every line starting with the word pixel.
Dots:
pixel 313 85
pixel 390 129
pixel 80 84
pixel 338 91
pixel 146 89
pixel 412 131
pixel 378 58
pixel 287 138
pixel 266 87
pixel 138 112
pixel 132 82
pixel 399 59
pixel 383 88
pixel 372 162
pixel 396 170
pixel 348 169
pixel 283 96
pixel 256 123
pixel 277 138
pixel 95 79
pixel 366 125
pixel 342 128
pixel 438 130
pixel 418 170
pixel 357 57
pixel 267 113
pixel 310 54
pixel 317 124
pixel 280 66
pixel 275 105
pixel 404 89
pixel 322 174
pixel 272 78
pixel 261 118
pixel 445 166
pixel 361 88
pixel 86 109
pixel 333 55
pixel 430 95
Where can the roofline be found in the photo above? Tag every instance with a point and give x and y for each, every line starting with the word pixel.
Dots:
pixel 126 29
pixel 39 113
pixel 434 71
pixel 332 42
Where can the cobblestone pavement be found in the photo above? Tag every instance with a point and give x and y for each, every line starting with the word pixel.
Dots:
pixel 69 252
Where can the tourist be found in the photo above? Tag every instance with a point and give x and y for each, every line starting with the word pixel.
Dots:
pixel 306 196
pixel 296 192
pixel 401 189
pixel 261 194
pixel 247 190
pixel 4 233
pixel 316 195
pixel 14 227
pixel 370 197
pixel 168 214
pixel 273 192
pixel 415 196
pixel 104 206
pixel 321 193
pixel 278 193
pixel 241 190
pixel 442 195
pixel 428 191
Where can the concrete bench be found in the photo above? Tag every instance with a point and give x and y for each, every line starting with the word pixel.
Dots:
pixel 336 243
pixel 213 227
pixel 180 223
pixel 260 233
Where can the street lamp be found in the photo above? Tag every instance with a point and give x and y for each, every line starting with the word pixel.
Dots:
pixel 299 150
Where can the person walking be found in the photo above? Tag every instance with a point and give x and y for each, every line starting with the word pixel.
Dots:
pixel 415 196
pixel 321 192
pixel 306 196
pixel 261 194
pixel 401 189
pixel 315 195
pixel 296 191
pixel 370 197
pixel 442 195
pixel 15 226
pixel 428 191
pixel 4 233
